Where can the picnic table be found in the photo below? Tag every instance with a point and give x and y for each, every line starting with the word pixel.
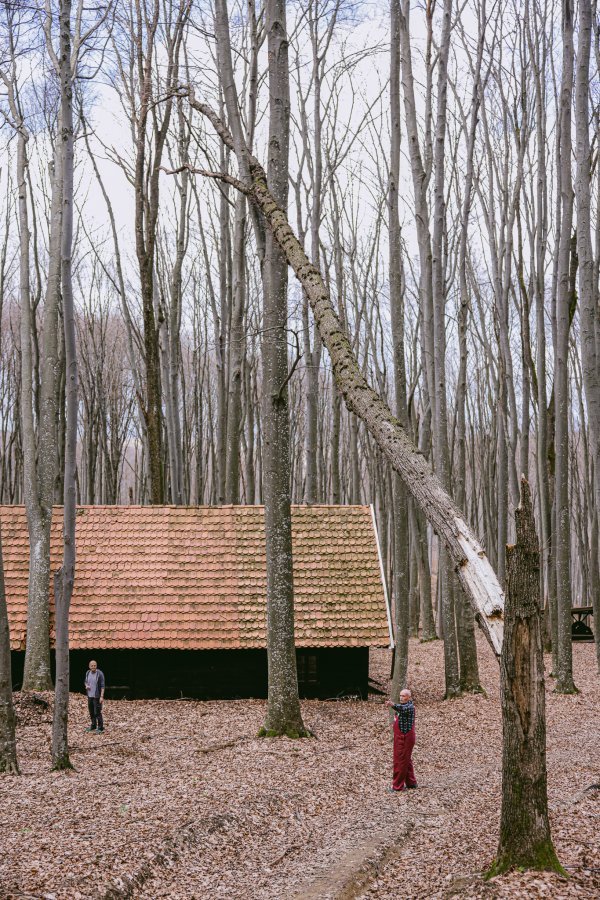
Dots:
pixel 580 628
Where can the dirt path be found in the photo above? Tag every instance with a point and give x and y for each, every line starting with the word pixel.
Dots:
pixel 180 800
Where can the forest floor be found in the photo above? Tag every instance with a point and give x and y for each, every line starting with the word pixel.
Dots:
pixel 181 800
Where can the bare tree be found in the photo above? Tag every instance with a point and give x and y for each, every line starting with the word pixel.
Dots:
pixel 441 448
pixel 39 449
pixel 142 28
pixel 64 578
pixel 8 744
pixel 283 710
pixel 563 315
pixel 401 539
pixel 588 272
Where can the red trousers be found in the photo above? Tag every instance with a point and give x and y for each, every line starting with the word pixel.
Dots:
pixel 404 774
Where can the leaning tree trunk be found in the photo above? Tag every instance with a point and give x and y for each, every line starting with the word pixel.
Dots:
pixel 472 566
pixel 63 582
pixel 525 839
pixel 8 744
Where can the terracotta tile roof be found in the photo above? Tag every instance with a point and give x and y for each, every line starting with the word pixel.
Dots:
pixel 194 577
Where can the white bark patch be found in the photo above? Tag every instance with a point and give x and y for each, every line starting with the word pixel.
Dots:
pixel 388 610
pixel 485 593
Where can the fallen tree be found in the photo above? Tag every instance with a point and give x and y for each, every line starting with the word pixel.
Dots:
pixel 525 838
pixel 471 564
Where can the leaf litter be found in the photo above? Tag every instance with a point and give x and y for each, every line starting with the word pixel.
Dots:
pixel 182 800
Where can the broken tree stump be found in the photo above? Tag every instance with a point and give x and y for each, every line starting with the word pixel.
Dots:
pixel 525 838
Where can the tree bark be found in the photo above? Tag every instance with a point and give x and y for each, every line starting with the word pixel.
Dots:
pixel 148 154
pixel 467 647
pixel 401 536
pixel 420 170
pixel 538 266
pixel 8 744
pixel 64 579
pixel 146 213
pixel 236 354
pixel 418 530
pixel 562 517
pixel 588 287
pixel 39 491
pixel 173 386
pixel 283 707
pixel 525 839
pixel 441 450
pixel 37 657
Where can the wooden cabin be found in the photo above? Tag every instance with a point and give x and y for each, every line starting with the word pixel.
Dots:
pixel 170 600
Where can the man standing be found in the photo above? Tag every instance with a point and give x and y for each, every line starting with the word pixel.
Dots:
pixel 94 688
pixel 404 741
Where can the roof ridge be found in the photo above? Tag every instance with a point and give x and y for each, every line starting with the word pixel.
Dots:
pixel 163 506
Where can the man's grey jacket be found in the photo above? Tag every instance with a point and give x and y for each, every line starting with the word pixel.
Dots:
pixel 99 682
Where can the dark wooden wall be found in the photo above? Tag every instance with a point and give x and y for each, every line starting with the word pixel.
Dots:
pixel 323 672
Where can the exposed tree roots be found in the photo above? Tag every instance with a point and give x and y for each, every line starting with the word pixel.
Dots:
pixel 62 764
pixel 542 858
pixel 292 733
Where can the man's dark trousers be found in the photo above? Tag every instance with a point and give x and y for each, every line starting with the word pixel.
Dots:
pixel 95 708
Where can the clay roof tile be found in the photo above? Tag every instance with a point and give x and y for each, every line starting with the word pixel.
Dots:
pixel 195 577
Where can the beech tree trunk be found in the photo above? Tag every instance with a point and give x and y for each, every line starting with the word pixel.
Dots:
pixel 525 839
pixel 236 354
pixel 588 286
pixel 173 391
pixel 64 579
pixel 401 537
pixel 562 512
pixel 441 449
pixel 418 530
pixel 467 647
pixel 283 708
pixel 537 63
pixel 41 454
pixel 150 121
pixel 8 745
pixel 37 657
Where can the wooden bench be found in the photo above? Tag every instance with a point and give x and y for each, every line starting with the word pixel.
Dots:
pixel 580 627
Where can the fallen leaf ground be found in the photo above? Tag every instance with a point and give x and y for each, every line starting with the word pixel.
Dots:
pixel 181 800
